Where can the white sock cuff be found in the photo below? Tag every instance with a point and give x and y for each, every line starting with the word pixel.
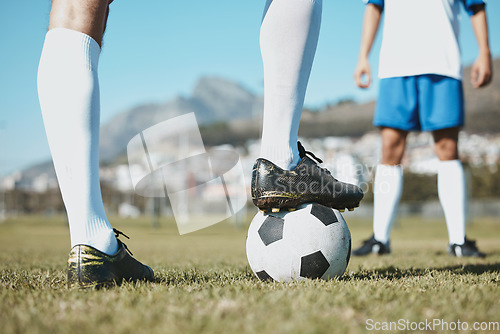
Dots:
pixel 385 171
pixel 449 166
pixel 74 47
pixel 281 155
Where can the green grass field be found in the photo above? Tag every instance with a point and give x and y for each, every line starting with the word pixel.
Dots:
pixel 204 284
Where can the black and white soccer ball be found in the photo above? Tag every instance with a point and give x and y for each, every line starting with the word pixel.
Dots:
pixel 311 242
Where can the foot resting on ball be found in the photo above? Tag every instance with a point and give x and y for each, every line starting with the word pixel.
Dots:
pixel 274 188
pixel 89 267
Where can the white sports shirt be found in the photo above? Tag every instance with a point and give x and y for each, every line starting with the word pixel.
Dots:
pixel 421 37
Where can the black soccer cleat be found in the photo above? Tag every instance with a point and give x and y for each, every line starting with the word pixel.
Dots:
pixel 467 249
pixel 274 188
pixel 372 245
pixel 89 267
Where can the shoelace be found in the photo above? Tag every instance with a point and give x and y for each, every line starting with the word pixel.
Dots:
pixel 303 153
pixel 117 234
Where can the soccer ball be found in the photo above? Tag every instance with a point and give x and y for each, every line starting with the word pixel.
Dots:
pixel 311 242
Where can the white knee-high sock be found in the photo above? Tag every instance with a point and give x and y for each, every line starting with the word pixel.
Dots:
pixel 387 188
pixel 451 191
pixel 68 90
pixel 288 39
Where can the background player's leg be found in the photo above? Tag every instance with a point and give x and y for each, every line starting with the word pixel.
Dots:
pixel 288 39
pixel 387 188
pixel 451 183
pixel 69 98
pixel 388 182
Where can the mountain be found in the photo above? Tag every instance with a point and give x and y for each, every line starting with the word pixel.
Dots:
pixel 229 113
pixel 213 100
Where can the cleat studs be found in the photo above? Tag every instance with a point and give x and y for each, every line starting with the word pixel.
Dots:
pixel 350 209
pixel 275 210
pixel 342 210
pixel 292 209
pixel 263 211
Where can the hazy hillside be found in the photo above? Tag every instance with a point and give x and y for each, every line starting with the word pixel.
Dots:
pixel 216 101
pixel 229 113
pixel 351 119
pixel 212 100
pixel 483 105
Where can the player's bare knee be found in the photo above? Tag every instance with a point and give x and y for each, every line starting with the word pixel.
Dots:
pixel 446 150
pixel 446 144
pixel 393 146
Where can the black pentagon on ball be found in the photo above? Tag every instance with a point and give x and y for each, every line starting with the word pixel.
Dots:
pixel 263 276
pixel 313 265
pixel 324 214
pixel 271 230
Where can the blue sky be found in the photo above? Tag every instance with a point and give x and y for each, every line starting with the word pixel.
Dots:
pixel 156 51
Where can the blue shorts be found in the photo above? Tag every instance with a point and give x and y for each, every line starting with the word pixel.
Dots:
pixel 424 102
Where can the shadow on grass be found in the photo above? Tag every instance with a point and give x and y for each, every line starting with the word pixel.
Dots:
pixel 392 272
pixel 181 276
pixel 193 276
